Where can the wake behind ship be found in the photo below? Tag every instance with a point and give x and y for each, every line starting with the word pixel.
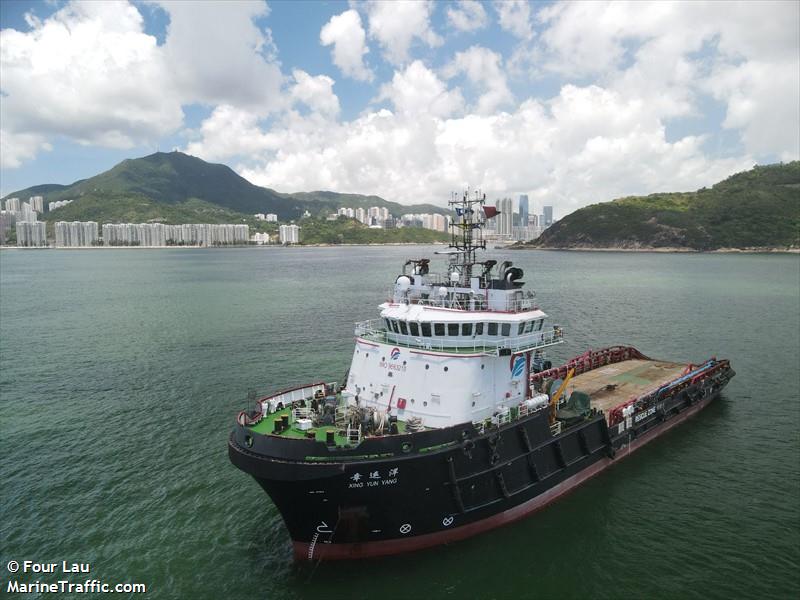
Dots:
pixel 451 421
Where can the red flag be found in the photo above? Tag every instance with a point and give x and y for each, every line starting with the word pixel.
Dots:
pixel 490 211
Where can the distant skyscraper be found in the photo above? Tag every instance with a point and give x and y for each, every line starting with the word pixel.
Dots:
pixel 548 215
pixel 12 204
pixel 505 220
pixel 523 210
pixel 37 203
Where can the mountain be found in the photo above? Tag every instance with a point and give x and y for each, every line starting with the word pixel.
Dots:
pixel 174 187
pixel 759 208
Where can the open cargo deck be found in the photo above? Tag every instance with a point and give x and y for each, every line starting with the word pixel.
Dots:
pixel 613 384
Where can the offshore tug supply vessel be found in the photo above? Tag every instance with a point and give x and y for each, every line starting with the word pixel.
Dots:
pixel 450 420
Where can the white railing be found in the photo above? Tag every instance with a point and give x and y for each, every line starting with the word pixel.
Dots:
pixel 460 300
pixel 375 330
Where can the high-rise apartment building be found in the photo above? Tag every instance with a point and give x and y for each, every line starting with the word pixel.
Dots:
pixel 505 220
pixel 31 234
pixel 12 204
pixel 76 234
pixel 289 234
pixel 37 203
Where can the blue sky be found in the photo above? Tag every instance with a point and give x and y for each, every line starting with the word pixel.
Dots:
pixel 570 103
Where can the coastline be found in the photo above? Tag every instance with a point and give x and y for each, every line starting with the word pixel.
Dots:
pixel 667 250
pixel 262 246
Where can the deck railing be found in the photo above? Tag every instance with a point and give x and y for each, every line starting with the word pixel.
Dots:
pixel 374 330
pixel 464 301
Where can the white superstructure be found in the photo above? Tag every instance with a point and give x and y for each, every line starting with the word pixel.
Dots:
pixel 455 347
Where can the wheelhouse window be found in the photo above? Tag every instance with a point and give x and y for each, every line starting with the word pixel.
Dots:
pixel 403 328
pixel 521 328
pixel 478 328
pixel 541 322
pixel 529 326
pixel 426 329
pixel 388 324
pixel 414 328
pixel 466 329
pixel 492 328
pixel 438 329
pixel 506 329
pixel 452 329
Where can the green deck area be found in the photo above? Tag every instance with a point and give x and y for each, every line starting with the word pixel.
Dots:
pixel 267 427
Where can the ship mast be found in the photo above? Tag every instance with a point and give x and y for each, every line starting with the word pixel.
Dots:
pixel 466 234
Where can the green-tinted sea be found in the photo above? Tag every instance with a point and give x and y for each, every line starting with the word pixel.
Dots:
pixel 121 372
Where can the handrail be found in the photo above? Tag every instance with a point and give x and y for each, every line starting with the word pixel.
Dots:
pixel 371 331
pixel 462 301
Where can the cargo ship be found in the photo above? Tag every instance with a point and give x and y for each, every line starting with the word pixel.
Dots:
pixel 451 421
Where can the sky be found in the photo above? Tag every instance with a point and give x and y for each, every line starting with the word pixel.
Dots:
pixel 571 103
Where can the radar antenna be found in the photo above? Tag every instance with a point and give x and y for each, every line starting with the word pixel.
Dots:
pixel 466 233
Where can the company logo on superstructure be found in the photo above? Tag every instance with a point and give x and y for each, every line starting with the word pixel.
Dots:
pixel 394 355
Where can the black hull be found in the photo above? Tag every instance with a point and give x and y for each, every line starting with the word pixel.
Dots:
pixel 449 485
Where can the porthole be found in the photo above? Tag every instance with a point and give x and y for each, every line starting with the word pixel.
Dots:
pixel 390 374
pixel 406 447
pixel 404 363
pixel 482 367
pixel 445 369
pixel 427 367
pixel 473 403
pixel 384 359
pixel 425 403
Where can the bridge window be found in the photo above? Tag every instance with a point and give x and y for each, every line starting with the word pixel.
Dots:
pixel 478 328
pixel 414 328
pixel 452 329
pixel 506 329
pixel 492 328
pixel 521 328
pixel 466 329
pixel 426 329
pixel 388 325
pixel 438 329
pixel 541 322
pixel 403 328
pixel 529 326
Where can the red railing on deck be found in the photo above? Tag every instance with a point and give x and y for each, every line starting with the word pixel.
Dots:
pixel 591 359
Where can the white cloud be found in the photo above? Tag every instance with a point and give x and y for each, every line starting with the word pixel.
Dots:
pixel 218 55
pixel 16 148
pixel 396 25
pixel 348 38
pixel 515 17
pixel 316 93
pixel 229 131
pixel 670 55
pixel 586 144
pixel 88 72
pixel 418 91
pixel 763 102
pixel 467 15
pixel 484 69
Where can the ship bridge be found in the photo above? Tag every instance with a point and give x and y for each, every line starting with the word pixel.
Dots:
pixel 447 330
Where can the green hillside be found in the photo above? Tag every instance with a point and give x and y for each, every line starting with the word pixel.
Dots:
pixel 758 208
pixel 177 188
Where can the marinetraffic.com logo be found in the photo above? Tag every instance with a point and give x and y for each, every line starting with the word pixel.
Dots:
pixel 395 353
